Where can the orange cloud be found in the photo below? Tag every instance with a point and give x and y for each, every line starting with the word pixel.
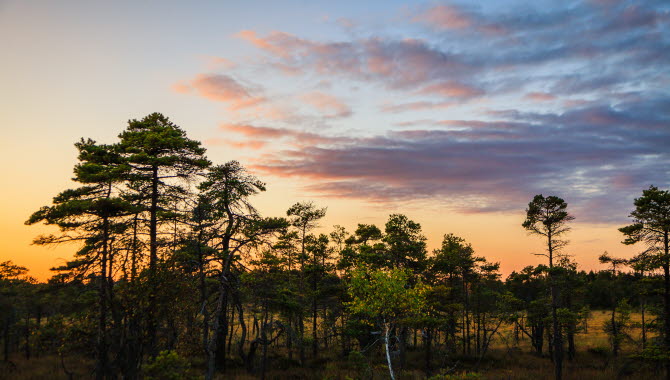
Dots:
pixel 181 87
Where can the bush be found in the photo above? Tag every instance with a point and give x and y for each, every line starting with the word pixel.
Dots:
pixel 357 361
pixel 168 365
pixel 602 352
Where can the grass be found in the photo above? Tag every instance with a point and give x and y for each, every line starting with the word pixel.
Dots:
pixel 504 361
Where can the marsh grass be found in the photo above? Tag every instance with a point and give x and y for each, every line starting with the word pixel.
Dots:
pixel 505 360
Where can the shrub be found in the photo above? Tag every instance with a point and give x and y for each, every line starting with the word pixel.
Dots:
pixel 168 365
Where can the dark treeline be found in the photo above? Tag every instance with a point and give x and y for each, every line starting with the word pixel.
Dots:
pixel 177 275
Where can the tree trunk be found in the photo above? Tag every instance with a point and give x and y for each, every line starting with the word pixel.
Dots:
pixel 427 343
pixel 387 331
pixel 644 326
pixel 5 340
pixel 152 324
pixel 101 357
pixel 265 342
pixel 289 338
pixel 666 300
pixel 615 337
pixel 232 330
pixel 403 347
pixel 221 335
pixel 466 342
pixel 571 330
pixel 315 344
pixel 243 329
pixel 557 336
pixel 212 346
pixel 27 337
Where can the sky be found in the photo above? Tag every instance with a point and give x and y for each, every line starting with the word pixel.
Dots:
pixel 453 113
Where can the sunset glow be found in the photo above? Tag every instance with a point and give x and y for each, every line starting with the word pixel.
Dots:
pixel 452 113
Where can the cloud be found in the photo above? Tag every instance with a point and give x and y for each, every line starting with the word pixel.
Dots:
pixel 452 89
pixel 297 138
pixel 445 17
pixel 605 50
pixel 220 88
pixel 594 153
pixel 399 63
pixel 264 43
pixel 220 63
pixel 569 99
pixel 415 106
pixel 181 88
pixel 450 17
pixel 251 144
pixel 539 96
pixel 329 105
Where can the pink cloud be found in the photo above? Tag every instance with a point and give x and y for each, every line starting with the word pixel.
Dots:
pixel 415 106
pixel 220 62
pixel 297 138
pixel 220 88
pixel 254 131
pixel 279 43
pixel 327 104
pixel 181 88
pixel 248 144
pixel 252 144
pixel 400 64
pixel 452 89
pixel 444 17
pixel 449 17
pixel 539 96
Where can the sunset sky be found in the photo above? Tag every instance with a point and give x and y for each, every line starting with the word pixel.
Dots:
pixel 453 113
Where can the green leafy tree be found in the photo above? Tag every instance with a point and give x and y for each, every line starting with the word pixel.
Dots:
pixel 168 365
pixel 387 296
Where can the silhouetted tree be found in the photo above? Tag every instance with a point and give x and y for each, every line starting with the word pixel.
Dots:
pixel 90 215
pixel 547 217
pixel 158 153
pixel 651 225
pixel 304 216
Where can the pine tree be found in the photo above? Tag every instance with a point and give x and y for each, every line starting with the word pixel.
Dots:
pixel 159 155
pixel 548 217
pixel 91 214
